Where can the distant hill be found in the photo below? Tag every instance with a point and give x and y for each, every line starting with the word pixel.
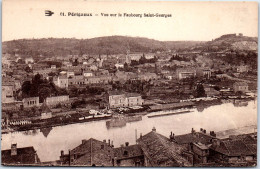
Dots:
pixel 120 44
pixel 100 45
pixel 233 42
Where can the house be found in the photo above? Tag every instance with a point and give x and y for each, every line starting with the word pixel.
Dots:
pixel 31 102
pixel 119 99
pixel 119 65
pixel 123 76
pixel 104 79
pixel 147 76
pixel 206 73
pixel 92 80
pixel 76 80
pixel 29 60
pixel 193 137
pixel 242 68
pixel 198 143
pixel 43 72
pixel 61 81
pixel 93 67
pixel 70 74
pixel 210 91
pixel 160 151
pixel 19 156
pixel 87 73
pixel 240 86
pixel 90 152
pixel 8 90
pixel 53 66
pixel 232 151
pixel 183 73
pixel 55 100
pixel 128 156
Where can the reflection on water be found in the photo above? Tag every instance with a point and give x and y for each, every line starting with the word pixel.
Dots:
pixel 121 121
pixel 49 142
pixel 46 131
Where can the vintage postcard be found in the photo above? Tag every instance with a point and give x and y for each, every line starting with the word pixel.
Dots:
pixel 136 84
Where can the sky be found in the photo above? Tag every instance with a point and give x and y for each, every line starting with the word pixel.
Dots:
pixel 202 21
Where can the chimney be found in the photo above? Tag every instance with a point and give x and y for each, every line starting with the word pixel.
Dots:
pixel 84 141
pixel 69 157
pixel 141 135
pixel 35 157
pixel 13 149
pixel 108 142
pixel 204 131
pixel 215 142
pixel 61 153
pixel 104 141
pixel 172 136
pixel 126 144
pixel 154 129
pixel 213 134
pixel 112 144
pixel 192 130
pixel 201 129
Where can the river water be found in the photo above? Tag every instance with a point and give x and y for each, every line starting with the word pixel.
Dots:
pixel 48 144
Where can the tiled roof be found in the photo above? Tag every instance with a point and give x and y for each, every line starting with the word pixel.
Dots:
pixel 232 148
pixel 132 151
pixel 132 95
pixel 25 155
pixel 91 152
pixel 161 151
pixel 85 147
pixel 116 92
pixel 193 138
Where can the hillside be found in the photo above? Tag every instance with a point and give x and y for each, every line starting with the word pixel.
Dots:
pixel 233 42
pixel 100 45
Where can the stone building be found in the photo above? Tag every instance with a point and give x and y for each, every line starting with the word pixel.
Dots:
pixel 119 99
pixel 31 102
pixel 183 73
pixel 128 156
pixel 160 151
pixel 61 81
pixel 8 90
pixel 55 100
pixel 240 86
pixel 19 156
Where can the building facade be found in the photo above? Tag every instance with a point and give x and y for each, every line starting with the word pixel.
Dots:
pixel 124 100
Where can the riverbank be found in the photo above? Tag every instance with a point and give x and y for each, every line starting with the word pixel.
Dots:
pixel 80 118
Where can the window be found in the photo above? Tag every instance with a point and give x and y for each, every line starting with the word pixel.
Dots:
pixel 125 153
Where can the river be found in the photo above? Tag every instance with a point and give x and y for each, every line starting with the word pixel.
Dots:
pixel 48 144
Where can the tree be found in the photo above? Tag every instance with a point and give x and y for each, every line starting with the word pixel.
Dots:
pixel 44 93
pixel 26 87
pixel 28 69
pixel 200 92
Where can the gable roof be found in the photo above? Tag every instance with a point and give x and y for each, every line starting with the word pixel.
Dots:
pixel 161 151
pixel 194 138
pixel 232 148
pixel 91 152
pixel 25 155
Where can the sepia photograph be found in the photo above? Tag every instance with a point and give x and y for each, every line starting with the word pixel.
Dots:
pixel 129 84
